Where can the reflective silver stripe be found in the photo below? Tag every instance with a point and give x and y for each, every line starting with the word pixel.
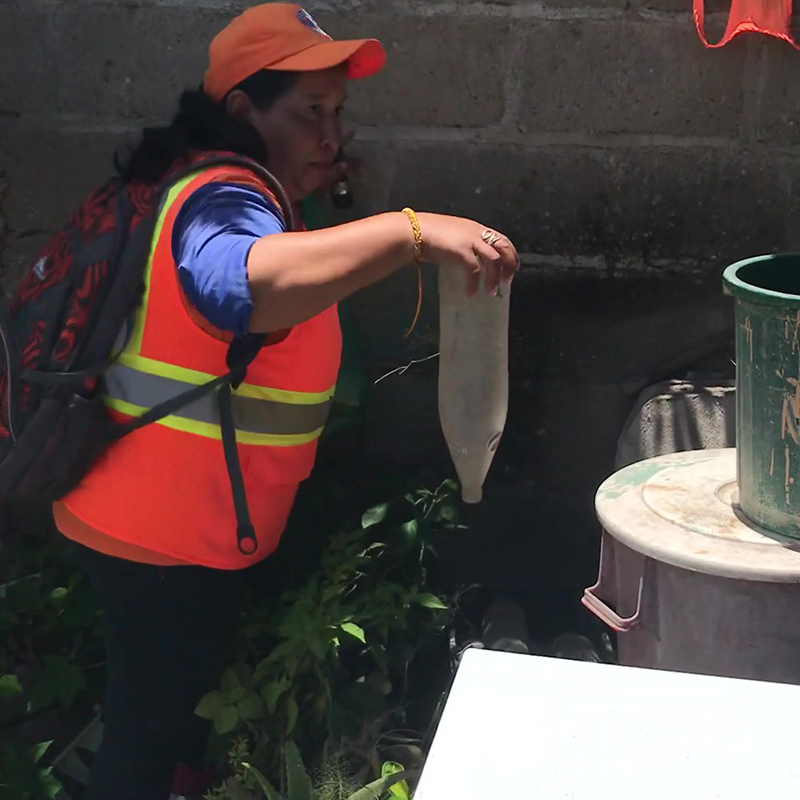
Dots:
pixel 249 414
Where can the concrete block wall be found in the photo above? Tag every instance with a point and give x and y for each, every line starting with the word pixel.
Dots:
pixel 596 132
pixel 628 162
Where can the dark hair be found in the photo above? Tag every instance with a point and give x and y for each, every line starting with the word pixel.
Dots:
pixel 203 124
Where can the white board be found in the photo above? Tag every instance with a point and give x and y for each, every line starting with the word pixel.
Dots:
pixel 533 728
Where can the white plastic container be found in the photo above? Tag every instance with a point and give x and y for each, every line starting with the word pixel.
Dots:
pixel 473 375
pixel 686 581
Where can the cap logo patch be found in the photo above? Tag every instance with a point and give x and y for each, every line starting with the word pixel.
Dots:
pixel 309 21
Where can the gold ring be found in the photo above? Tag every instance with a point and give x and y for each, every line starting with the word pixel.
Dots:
pixel 490 237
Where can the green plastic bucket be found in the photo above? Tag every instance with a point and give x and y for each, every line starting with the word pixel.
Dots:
pixel 766 291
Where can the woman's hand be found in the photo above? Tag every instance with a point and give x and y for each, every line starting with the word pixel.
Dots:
pixel 449 241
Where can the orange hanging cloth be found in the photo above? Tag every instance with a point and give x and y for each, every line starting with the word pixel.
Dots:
pixel 771 17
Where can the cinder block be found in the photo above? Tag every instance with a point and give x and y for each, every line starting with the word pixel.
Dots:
pixel 402 426
pixel 583 76
pixel 779 105
pixel 678 6
pixel 580 350
pixel 590 8
pixel 713 8
pixel 623 331
pixel 48 173
pixel 384 313
pixel 135 61
pixel 593 6
pixel 128 61
pixel 441 71
pixel 648 203
pixel 562 435
pixel 27 63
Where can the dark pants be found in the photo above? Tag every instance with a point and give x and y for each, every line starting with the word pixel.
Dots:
pixel 168 635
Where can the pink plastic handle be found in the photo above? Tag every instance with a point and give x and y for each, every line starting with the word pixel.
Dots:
pixel 606 614
pixel 601 609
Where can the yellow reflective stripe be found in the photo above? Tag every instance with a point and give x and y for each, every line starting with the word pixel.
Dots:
pixel 213 431
pixel 193 376
pixel 249 414
pixel 135 341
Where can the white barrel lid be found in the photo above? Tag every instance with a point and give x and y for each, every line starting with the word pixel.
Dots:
pixel 682 509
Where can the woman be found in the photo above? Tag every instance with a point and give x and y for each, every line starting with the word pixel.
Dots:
pixel 152 521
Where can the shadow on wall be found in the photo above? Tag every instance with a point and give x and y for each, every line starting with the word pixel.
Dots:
pixel 582 348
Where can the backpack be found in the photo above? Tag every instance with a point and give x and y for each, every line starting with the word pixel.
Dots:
pixel 66 325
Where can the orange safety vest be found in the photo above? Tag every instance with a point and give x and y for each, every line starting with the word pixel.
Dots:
pixel 165 487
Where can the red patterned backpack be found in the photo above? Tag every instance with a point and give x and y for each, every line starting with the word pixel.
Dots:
pixel 64 327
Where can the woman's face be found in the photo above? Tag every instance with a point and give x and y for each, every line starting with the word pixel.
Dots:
pixel 302 131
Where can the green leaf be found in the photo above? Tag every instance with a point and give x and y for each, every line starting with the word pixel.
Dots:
pixel 262 670
pixel 292 713
pixel 297 781
pixel 263 783
pixel 50 785
pixel 23 778
pixel 330 593
pixel 59 593
pixel 374 790
pixel 235 694
pixel 272 693
pixel 429 601
pixel 281 651
pixel 318 649
pixel 210 706
pixel 399 790
pixel 39 750
pixel 245 674
pixel 251 706
pixel 226 720
pixel 410 530
pixel 9 686
pixel 354 631
pixel 59 680
pixel 81 611
pixel 374 515
pixel 229 680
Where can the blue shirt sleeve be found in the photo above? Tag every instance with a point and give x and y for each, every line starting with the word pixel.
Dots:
pixel 211 239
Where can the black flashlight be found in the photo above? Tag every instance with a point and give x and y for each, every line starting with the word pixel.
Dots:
pixel 341 195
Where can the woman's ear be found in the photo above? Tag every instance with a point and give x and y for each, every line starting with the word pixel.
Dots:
pixel 238 104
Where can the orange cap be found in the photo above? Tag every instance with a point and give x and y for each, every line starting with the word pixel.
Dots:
pixel 282 36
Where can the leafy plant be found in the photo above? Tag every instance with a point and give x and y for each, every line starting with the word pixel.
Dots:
pixel 9 686
pixel 326 665
pixel 398 787
pixel 339 647
pixel 50 645
pixel 249 783
pixel 23 778
pixel 49 630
